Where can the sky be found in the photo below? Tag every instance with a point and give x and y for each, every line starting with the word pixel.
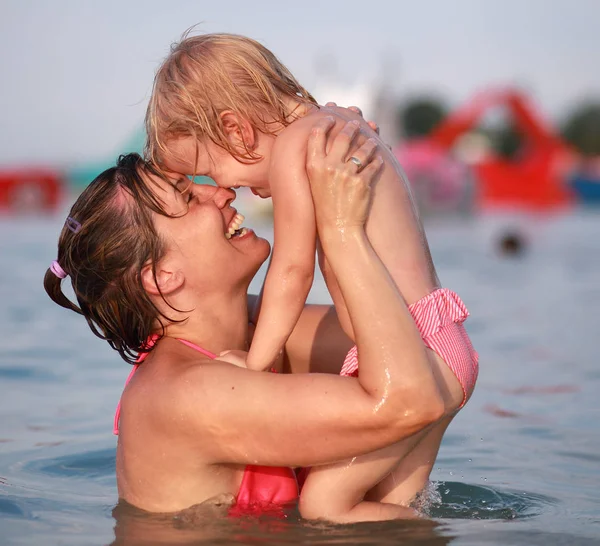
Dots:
pixel 76 74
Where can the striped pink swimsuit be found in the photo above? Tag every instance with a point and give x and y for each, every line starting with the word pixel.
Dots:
pixel 439 317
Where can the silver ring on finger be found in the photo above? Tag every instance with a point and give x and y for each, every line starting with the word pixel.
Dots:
pixel 356 161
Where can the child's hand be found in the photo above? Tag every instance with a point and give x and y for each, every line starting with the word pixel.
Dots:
pixel 340 181
pixel 235 357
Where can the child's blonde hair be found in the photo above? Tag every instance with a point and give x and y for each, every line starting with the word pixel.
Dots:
pixel 211 73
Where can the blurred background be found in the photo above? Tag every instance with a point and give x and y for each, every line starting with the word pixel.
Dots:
pixel 493 109
pixel 487 104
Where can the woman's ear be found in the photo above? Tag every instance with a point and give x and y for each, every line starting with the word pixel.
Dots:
pixel 166 281
pixel 239 131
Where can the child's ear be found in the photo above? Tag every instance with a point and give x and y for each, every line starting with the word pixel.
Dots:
pixel 239 130
pixel 167 279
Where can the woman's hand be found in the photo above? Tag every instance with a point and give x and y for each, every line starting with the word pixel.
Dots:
pixel 340 181
pixel 372 124
pixel 235 357
pixel 358 111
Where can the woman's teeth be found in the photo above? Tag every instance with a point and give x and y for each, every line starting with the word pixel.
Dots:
pixel 240 232
pixel 235 226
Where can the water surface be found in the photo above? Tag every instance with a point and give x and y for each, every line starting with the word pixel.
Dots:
pixel 519 465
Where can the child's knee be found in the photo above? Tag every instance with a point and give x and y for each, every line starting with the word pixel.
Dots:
pixel 317 504
pixel 308 508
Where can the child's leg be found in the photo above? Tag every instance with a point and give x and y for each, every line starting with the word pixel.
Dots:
pixel 380 485
pixel 392 477
pixel 456 376
pixel 411 476
pixel 335 293
pixel 336 492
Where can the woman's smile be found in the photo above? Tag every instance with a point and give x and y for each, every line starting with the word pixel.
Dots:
pixel 234 228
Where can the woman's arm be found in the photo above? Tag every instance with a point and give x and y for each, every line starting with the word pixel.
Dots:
pixel 235 415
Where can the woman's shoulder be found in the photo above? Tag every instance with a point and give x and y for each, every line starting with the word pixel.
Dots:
pixel 165 381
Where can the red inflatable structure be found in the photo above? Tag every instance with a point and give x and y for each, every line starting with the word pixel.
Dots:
pixel 30 190
pixel 535 180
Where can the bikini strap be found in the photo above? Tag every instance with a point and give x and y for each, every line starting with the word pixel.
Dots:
pixel 197 348
pixel 118 410
pixel 140 359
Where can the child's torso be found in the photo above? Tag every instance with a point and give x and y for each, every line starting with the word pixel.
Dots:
pixel 398 238
pixel 393 228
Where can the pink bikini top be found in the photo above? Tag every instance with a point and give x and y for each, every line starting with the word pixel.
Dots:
pixel 263 488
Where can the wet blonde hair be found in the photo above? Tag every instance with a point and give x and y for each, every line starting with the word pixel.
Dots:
pixel 208 74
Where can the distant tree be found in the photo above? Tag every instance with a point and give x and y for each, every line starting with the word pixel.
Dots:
pixel 582 129
pixel 507 142
pixel 419 117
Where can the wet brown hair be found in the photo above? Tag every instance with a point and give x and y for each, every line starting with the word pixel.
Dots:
pixel 104 258
pixel 208 74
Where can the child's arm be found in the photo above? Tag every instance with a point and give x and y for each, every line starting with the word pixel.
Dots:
pixel 291 270
pixel 317 344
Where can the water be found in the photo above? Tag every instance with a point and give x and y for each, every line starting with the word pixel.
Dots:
pixel 519 465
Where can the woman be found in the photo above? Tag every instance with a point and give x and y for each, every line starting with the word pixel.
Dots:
pixel 154 273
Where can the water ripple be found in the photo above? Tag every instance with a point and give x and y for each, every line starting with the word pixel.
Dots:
pixel 90 464
pixel 13 507
pixel 25 373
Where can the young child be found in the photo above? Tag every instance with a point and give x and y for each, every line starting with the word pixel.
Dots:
pixel 224 106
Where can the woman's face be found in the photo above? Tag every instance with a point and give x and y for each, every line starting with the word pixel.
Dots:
pixel 199 236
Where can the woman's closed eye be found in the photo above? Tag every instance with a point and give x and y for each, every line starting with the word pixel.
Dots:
pixel 187 191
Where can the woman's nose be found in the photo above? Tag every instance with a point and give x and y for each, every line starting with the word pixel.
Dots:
pixel 223 197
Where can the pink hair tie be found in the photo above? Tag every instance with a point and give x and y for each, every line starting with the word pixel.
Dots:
pixel 73 224
pixel 57 270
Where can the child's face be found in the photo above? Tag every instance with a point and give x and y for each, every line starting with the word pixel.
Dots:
pixel 187 156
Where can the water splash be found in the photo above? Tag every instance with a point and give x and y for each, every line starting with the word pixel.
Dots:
pixel 454 500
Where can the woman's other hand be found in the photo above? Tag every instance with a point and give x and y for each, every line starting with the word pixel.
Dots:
pixel 235 357
pixel 340 181
pixel 358 111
